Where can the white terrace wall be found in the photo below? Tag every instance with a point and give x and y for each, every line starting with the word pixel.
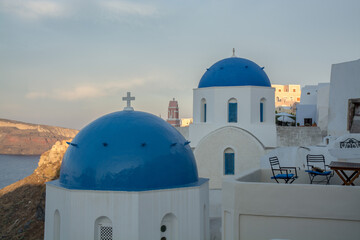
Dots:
pixel 298 136
pixel 263 210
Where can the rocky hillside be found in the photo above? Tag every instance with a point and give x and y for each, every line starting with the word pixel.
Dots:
pixel 30 139
pixel 22 204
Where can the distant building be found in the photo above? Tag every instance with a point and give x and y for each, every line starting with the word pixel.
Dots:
pixel 285 109
pixel 185 122
pixel 314 105
pixel 306 110
pixel 173 113
pixel 286 95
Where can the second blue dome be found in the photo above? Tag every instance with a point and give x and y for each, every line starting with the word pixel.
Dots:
pixel 234 71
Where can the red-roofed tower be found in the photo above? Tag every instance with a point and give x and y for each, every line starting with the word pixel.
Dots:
pixel 173 113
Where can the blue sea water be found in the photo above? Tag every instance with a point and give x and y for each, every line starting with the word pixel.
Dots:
pixel 16 167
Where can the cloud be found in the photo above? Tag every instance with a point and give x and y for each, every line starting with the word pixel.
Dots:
pixel 128 8
pixel 86 91
pixel 107 9
pixel 32 9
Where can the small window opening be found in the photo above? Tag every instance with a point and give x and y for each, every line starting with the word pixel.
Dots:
pixel 229 162
pixel 262 109
pixel 203 116
pixel 169 227
pixel 232 110
pixel 56 225
pixel 308 121
pixel 103 229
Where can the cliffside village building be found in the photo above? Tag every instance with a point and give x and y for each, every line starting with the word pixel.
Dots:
pixel 286 97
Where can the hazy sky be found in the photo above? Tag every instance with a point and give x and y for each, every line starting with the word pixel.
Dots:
pixel 66 63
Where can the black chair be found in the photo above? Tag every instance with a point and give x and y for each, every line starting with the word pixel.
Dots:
pixel 287 174
pixel 317 168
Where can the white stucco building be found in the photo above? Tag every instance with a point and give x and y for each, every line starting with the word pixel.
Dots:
pixel 306 110
pixel 128 175
pixel 286 95
pixel 314 106
pixel 234 113
pixel 333 106
pixel 322 106
pixel 344 92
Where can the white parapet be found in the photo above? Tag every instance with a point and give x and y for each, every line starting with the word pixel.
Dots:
pixel 255 208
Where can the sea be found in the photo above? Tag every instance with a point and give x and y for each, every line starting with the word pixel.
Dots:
pixel 15 167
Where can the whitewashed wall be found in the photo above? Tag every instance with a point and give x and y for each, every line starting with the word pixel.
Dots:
pixel 134 215
pixel 298 136
pixel 309 94
pixel 307 107
pixel 248 99
pixel 262 210
pixel 209 153
pixel 323 106
pixel 305 111
pixel 344 85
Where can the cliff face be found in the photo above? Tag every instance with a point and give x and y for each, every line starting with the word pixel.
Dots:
pixel 22 204
pixel 30 139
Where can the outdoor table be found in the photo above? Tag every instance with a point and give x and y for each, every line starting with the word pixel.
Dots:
pixel 341 167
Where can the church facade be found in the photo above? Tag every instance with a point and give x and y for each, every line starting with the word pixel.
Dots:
pixel 234 119
pixel 128 175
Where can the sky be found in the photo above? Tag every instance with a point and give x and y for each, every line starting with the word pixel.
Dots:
pixel 66 63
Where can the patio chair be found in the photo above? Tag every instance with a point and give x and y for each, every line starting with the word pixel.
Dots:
pixel 287 174
pixel 317 168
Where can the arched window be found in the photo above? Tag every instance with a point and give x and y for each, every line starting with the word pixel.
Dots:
pixel 262 109
pixel 203 110
pixel 229 162
pixel 169 227
pixel 103 229
pixel 232 109
pixel 56 225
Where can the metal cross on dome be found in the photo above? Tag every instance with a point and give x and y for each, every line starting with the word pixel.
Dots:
pixel 128 100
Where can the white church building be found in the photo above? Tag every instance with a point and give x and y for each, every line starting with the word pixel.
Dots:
pixel 128 175
pixel 234 119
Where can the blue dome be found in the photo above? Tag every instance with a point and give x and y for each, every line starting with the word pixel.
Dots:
pixel 234 71
pixel 128 151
